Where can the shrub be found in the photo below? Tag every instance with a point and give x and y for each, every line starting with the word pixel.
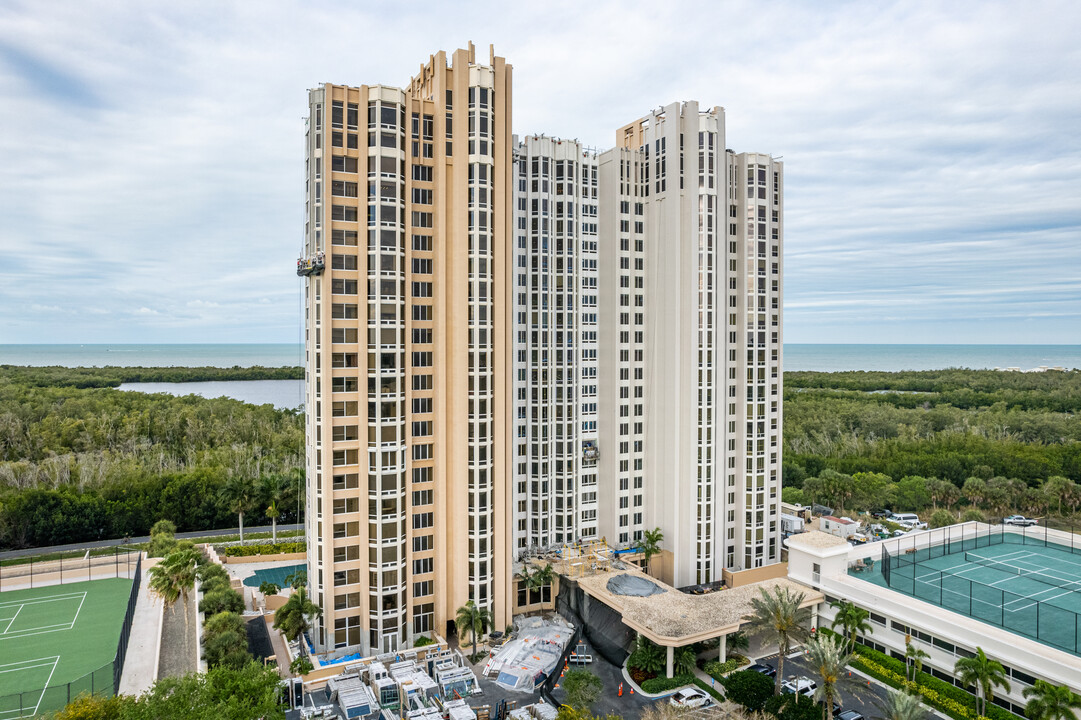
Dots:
pixel 581 688
pixel 301 665
pixel 663 684
pixel 648 657
pixel 956 702
pixel 423 640
pixel 793 707
pixel 717 670
pixel 262 549
pixel 226 641
pixel 941 518
pixel 748 688
pixel 218 601
pixel 208 571
pixel 973 515
pixel 162 539
pixel 216 583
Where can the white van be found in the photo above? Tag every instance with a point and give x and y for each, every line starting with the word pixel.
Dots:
pixel 909 520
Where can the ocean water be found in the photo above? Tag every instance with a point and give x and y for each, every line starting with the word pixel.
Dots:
pixel 891 358
pixel 829 358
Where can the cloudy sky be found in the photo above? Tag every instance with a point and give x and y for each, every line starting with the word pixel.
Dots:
pixel 151 153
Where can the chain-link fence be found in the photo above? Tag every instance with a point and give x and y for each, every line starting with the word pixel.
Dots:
pixel 42 570
pixel 911 571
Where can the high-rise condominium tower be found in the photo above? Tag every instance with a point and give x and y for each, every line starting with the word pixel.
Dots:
pixel 551 345
pixel 647 352
pixel 408 342
pixel 555 343
pixel 690 344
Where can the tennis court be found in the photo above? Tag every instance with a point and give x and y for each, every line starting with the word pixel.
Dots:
pixel 1030 589
pixel 60 636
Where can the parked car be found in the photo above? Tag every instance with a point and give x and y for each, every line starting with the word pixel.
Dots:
pixel 802 685
pixel 909 520
pixel 1020 521
pixel 691 698
pixel 881 513
pixel 848 715
pixel 767 670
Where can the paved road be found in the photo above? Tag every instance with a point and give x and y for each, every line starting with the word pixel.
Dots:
pixel 120 541
pixel 856 696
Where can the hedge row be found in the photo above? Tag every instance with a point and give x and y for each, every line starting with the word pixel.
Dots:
pixel 717 670
pixel 263 549
pixel 663 684
pixel 956 702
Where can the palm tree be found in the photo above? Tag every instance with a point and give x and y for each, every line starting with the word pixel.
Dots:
pixel 828 658
pixel 684 660
pixel 853 619
pixel 650 545
pixel 914 657
pixel 238 492
pixel 1047 702
pixel 174 577
pixel 1057 488
pixel 901 705
pixel 985 674
pixel 273 489
pixel 737 641
pixel 778 614
pixel 975 489
pixel 475 619
pixel 647 655
pixel 525 580
pixel 295 616
pixel 543 578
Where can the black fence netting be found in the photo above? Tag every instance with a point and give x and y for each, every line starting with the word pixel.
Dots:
pixel 601 625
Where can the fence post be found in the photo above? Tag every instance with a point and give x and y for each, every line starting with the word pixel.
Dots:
pixel 31 583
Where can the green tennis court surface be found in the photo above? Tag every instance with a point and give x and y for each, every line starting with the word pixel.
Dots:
pixel 1030 589
pixel 56 635
pixel 275 575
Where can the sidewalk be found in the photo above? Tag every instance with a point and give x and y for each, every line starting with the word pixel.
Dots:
pixel 141 664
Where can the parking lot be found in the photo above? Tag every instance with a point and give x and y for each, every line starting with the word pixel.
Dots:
pixel 855 694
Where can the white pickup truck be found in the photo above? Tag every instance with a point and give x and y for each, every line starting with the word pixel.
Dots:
pixel 1020 521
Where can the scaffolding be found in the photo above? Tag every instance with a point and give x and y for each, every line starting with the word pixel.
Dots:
pixel 585 558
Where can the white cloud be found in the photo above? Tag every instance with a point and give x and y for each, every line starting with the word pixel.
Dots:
pixel 153 158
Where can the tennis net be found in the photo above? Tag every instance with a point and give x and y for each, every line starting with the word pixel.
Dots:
pixel 1037 575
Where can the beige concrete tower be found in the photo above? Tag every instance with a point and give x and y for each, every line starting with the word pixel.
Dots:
pixel 689 409
pixel 408 387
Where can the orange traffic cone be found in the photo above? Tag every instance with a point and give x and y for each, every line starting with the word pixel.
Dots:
pixel 632 691
pixel 620 690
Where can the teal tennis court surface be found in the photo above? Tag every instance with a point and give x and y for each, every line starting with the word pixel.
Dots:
pixel 1028 585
